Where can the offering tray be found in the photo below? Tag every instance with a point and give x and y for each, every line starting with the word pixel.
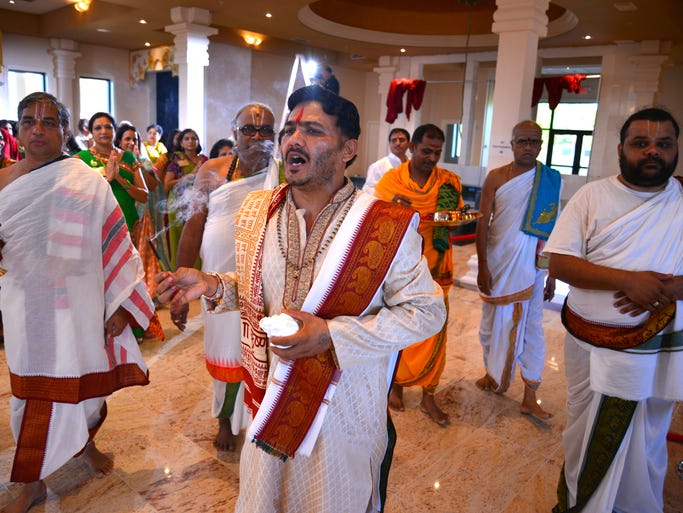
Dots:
pixel 452 218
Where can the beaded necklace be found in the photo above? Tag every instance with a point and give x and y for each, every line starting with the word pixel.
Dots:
pixel 231 171
pixel 300 268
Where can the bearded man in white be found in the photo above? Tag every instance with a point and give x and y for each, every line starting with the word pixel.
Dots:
pixel 618 244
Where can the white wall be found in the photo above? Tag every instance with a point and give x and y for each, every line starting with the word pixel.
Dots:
pixel 32 54
pixel 24 54
pixel 237 76
pixel 135 103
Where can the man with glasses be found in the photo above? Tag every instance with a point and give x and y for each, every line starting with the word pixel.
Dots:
pixel 519 205
pixel 73 281
pixel 221 186
pixel 399 138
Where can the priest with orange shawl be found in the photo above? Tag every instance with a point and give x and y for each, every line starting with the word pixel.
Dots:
pixel 427 188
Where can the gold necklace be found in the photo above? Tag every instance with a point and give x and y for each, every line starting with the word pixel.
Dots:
pixel 299 268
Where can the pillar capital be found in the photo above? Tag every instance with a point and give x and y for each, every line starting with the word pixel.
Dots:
pixel 521 16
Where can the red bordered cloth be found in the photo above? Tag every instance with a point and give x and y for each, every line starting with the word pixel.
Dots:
pixel 289 415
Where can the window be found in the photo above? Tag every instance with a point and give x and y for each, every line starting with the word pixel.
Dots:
pixel 453 141
pixel 21 84
pixel 95 96
pixel 567 136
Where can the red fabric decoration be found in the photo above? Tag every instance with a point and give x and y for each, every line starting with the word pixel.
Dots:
pixel 398 87
pixel 555 86
pixel 11 149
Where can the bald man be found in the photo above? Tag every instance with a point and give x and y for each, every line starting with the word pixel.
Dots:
pixel 222 184
pixel 519 205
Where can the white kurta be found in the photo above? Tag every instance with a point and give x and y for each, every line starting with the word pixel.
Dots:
pixel 610 224
pixel 510 331
pixel 343 470
pixel 376 171
pixel 222 332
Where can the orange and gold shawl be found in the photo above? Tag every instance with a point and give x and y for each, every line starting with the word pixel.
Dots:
pixel 424 200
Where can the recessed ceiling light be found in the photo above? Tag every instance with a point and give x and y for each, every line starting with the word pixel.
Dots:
pixel 403 50
pixel 625 6
pixel 11 1
pixel 103 30
pixel 147 43
pixel 587 36
pixel 143 22
pixel 268 15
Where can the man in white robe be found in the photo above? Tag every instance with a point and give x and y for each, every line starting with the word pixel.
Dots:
pixel 306 236
pixel 222 184
pixel 511 281
pixel 618 244
pixel 73 280
pixel 399 139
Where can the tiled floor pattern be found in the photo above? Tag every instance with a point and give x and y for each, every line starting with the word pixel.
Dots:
pixel 490 459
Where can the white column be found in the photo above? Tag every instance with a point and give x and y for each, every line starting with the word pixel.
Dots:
pixel 519 24
pixel 647 70
pixel 468 101
pixel 64 54
pixel 386 73
pixel 191 55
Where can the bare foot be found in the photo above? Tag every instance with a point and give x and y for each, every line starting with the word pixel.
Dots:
pixel 30 495
pixel 100 464
pixel 486 383
pixel 396 398
pixel 531 407
pixel 225 440
pixel 428 405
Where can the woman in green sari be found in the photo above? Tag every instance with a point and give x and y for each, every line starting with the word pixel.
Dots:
pixel 119 168
pixel 183 164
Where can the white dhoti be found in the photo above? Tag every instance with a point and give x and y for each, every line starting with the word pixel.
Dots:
pixel 71 265
pixel 510 331
pixel 635 479
pixel 222 332
pixel 608 224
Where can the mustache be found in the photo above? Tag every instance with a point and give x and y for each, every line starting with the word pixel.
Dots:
pixel 299 152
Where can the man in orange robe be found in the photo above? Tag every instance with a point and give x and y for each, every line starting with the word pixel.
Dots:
pixel 427 188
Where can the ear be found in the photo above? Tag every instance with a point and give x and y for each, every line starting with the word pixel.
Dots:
pixel 619 148
pixel 411 147
pixel 349 149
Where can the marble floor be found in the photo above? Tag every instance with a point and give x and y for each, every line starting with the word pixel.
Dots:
pixel 489 459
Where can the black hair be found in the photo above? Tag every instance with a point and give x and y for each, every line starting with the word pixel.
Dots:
pixel 218 145
pixel 400 131
pixel 346 113
pixel 41 97
pixel 97 115
pixel 122 130
pixel 428 130
pixel 179 146
pixel 649 114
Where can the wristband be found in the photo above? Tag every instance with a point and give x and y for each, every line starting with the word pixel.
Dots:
pixel 218 295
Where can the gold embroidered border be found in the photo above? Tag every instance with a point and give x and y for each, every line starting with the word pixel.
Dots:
pixel 616 337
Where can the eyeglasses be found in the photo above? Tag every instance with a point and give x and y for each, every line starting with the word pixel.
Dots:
pixel 264 130
pixel 534 143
